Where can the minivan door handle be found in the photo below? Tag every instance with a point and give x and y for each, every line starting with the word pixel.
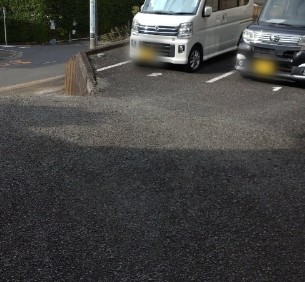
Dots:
pixel 224 17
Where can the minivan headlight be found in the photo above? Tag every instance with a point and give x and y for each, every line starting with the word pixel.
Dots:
pixel 135 27
pixel 248 36
pixel 185 30
pixel 302 41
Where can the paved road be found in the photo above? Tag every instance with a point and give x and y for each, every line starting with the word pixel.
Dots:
pixel 172 177
pixel 36 62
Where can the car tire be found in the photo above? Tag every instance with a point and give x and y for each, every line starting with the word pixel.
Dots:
pixel 194 59
pixel 245 75
pixel 138 63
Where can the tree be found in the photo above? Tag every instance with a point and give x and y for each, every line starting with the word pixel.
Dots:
pixel 29 20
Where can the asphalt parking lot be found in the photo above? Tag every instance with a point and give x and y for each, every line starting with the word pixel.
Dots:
pixel 162 176
pixel 115 69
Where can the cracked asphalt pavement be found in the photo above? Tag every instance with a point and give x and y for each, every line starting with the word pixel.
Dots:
pixel 156 178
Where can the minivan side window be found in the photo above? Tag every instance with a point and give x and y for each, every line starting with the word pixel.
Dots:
pixel 219 5
pixel 228 4
pixel 214 4
pixel 243 2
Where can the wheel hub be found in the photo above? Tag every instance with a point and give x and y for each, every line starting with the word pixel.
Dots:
pixel 195 59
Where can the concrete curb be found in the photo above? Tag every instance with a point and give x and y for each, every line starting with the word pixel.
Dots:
pixel 108 47
pixel 80 77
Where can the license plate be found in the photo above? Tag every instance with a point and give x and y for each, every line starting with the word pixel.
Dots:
pixel 264 67
pixel 147 54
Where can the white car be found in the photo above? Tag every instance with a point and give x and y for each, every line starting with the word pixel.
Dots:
pixel 188 31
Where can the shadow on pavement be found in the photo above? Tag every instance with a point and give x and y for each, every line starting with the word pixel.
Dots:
pixel 71 212
pixel 217 65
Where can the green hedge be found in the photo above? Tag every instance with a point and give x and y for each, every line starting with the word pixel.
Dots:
pixel 29 20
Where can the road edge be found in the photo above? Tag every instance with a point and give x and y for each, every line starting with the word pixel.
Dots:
pixel 29 84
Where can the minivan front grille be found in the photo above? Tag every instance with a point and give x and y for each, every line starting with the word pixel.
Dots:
pixel 282 57
pixel 161 49
pixel 276 38
pixel 267 52
pixel 158 30
pixel 264 51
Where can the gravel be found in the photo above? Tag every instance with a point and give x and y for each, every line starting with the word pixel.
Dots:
pixel 159 179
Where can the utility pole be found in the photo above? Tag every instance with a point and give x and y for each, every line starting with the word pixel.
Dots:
pixel 92 24
pixel 4 20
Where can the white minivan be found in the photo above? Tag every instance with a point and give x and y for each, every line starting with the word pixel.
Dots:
pixel 188 31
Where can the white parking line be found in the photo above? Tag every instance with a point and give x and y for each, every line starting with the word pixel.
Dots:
pixel 113 66
pixel 221 76
pixel 276 89
pixel 155 74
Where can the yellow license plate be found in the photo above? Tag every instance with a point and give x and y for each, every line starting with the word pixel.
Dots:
pixel 264 67
pixel 147 54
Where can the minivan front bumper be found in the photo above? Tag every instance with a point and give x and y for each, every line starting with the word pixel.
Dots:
pixel 290 60
pixel 167 48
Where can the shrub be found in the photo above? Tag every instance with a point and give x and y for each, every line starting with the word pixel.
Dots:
pixel 29 20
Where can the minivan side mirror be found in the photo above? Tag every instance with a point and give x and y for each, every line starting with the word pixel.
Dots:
pixel 207 11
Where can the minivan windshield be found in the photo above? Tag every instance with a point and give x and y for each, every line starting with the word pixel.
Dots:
pixel 171 7
pixel 284 12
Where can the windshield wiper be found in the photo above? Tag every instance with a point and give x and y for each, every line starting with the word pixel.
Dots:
pixel 183 13
pixel 159 12
pixel 275 23
pixel 293 25
pixel 284 24
pixel 167 13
